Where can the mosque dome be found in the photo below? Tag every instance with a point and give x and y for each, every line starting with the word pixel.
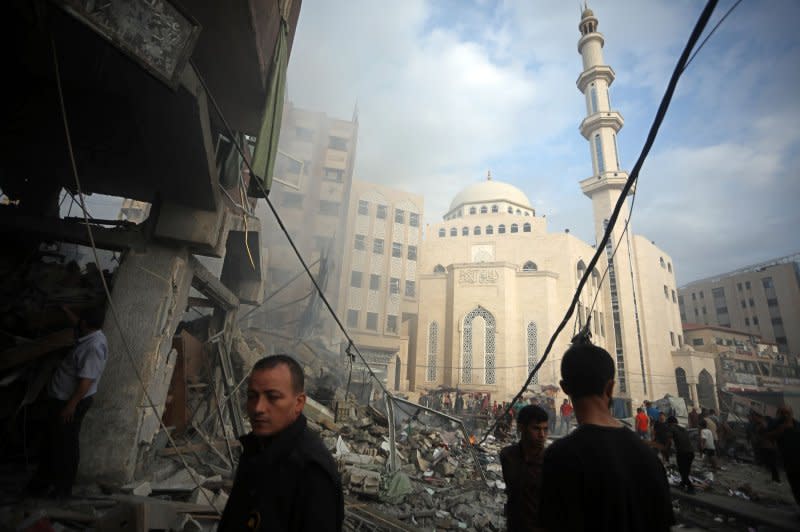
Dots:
pixel 490 191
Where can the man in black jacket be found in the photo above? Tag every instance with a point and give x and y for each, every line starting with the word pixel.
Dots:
pixel 286 480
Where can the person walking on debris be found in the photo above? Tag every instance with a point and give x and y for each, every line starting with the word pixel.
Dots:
pixel 566 417
pixel 684 452
pixel 286 478
pixel 694 418
pixel 785 432
pixel 71 391
pixel 601 476
pixel 763 447
pixel 522 466
pixel 707 446
pixel 642 423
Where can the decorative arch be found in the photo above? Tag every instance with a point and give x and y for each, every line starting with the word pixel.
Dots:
pixel 514 228
pixel 472 210
pixel 495 209
pixel 595 278
pixel 683 385
pixel 533 349
pixel 501 229
pixel 526 227
pixel 433 350
pixel 530 266
pixel 477 319
pixel 439 269
pixel 484 209
pixel 489 230
pixel 581 269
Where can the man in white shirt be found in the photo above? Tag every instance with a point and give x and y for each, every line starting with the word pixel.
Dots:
pixel 707 446
pixel 70 391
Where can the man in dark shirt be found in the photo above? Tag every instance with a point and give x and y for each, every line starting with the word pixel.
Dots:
pixel 785 432
pixel 601 476
pixel 522 466
pixel 286 480
pixel 684 452
pixel 661 436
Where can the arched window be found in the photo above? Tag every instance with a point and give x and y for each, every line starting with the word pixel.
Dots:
pixel 511 210
pixel 526 228
pixel 529 266
pixel 533 352
pixel 501 229
pixel 489 230
pixel 453 231
pixel 477 230
pixel 683 385
pixel 519 212
pixel 465 231
pixel 514 228
pixel 593 93
pixel 661 262
pixel 442 232
pixel 669 267
pixel 472 210
pixel 438 269
pixel 527 213
pixel 595 278
pixel 494 209
pixel 433 349
pixel 705 390
pixel 478 332
pixel 484 209
pixel 581 269
pixel 598 149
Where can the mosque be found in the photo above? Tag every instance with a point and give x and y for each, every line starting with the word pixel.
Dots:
pixel 494 283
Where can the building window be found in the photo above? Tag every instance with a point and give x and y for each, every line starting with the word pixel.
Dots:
pixel 329 208
pixel 439 269
pixel 391 323
pixel 666 292
pixel 696 314
pixel 694 296
pixel 377 246
pixel 411 288
pixel 477 230
pixel 593 98
pixel 489 230
pixel 465 231
pixel 751 302
pixel 701 294
pixel 526 228
pixel 372 321
pixel 672 338
pixel 674 297
pixel 478 318
pixel 304 133
pixel 616 154
pixel 413 219
pixel 484 209
pixel 495 209
pixel 529 266
pixel 355 279
pixel 747 285
pixel 453 232
pixel 697 341
pixel 704 310
pixel 333 174
pixel 352 318
pixel 292 200
pixel 661 262
pixel 442 232
pixel 511 210
pixel 519 212
pixel 514 228
pixel 397 250
pixel 337 143
pixel 755 320
pixel 433 349
pixel 501 229
pixel 767 282
pixel 680 341
pixel 533 353
pixel 744 303
pixel 473 210
pixel 374 282
pixel 747 322
pixel 412 252
pixel 394 285
pixel 380 212
pixel 399 216
pixel 360 242
pixel 669 267
pixel 598 149
pixel 772 302
pixel 739 287
pixel 363 207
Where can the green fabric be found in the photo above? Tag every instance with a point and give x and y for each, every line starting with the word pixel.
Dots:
pixel 397 486
pixel 266 148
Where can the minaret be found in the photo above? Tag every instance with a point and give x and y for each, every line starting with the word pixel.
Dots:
pixel 600 128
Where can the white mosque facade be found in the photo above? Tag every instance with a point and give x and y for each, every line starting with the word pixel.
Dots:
pixel 494 283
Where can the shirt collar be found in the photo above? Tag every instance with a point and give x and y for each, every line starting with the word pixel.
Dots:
pixel 90 335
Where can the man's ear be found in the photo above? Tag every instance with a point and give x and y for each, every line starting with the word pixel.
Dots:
pixel 301 403
pixel 609 389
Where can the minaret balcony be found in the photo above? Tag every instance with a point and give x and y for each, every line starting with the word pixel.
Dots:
pixel 593 73
pixel 606 180
pixel 599 120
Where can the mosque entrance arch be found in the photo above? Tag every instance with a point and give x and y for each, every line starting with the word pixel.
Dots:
pixel 705 390
pixel 478 333
pixel 683 385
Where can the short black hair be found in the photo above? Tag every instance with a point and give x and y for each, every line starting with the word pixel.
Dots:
pixel 586 369
pixel 672 420
pixel 531 414
pixel 296 370
pixel 93 316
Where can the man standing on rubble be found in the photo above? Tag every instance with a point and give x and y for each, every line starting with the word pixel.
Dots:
pixel 71 390
pixel 601 476
pixel 684 452
pixel 522 467
pixel 286 479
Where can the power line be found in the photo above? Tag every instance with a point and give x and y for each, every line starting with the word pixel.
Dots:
pixel 659 118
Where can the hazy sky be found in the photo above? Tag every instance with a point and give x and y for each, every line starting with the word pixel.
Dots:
pixel 449 89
